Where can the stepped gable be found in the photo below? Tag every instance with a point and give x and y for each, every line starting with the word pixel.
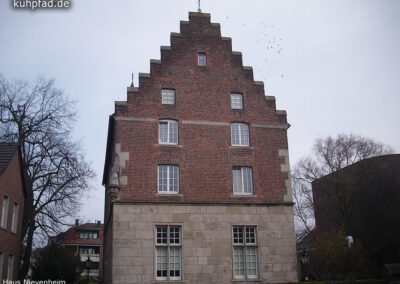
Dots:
pixel 195 85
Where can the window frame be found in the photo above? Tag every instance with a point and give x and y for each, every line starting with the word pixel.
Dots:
pixel 169 122
pixel 240 127
pixel 202 59
pixel 168 245
pixel 168 180
pixel 242 179
pixel 89 235
pixel 4 211
pixel 1 265
pixel 168 92
pixel 232 101
pixel 14 221
pixel 245 245
pixel 10 266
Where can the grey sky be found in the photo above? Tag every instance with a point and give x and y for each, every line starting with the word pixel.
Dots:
pixel 333 65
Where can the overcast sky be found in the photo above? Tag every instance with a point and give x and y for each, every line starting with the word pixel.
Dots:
pixel 334 66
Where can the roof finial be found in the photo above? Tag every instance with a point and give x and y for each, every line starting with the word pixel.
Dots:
pixel 132 82
pixel 198 3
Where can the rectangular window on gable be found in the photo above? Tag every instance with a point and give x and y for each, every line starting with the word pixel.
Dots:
pixel 245 252
pixel 4 212
pixel 168 252
pixel 1 265
pixel 168 132
pixel 10 269
pixel 202 59
pixel 242 180
pixel 236 101
pixel 14 224
pixel 239 134
pixel 168 179
pixel 168 97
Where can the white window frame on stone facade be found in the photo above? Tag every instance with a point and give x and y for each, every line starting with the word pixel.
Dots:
pixel 4 212
pixel 240 134
pixel 168 132
pixel 242 180
pixel 168 97
pixel 168 251
pixel 202 59
pixel 170 182
pixel 245 252
pixel 14 222
pixel 236 101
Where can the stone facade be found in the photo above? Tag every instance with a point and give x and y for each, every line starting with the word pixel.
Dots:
pixel 206 241
pixel 205 207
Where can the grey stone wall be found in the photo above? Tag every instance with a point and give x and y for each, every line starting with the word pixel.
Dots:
pixel 206 241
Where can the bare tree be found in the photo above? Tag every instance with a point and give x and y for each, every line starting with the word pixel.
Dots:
pixel 39 117
pixel 329 156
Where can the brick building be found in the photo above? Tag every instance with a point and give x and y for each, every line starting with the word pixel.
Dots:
pixel 12 193
pixel 197 171
pixel 87 241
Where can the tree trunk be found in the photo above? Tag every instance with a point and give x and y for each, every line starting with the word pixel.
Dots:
pixel 26 260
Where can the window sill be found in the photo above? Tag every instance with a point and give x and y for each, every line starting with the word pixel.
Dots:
pixel 247 280
pixel 243 195
pixel 169 281
pixel 241 147
pixel 167 194
pixel 169 145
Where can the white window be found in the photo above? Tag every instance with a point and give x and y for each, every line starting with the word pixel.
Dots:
pixel 10 272
pixel 168 253
pixel 168 97
pixel 239 134
pixel 14 224
pixel 236 101
pixel 1 265
pixel 245 252
pixel 87 250
pixel 242 180
pixel 168 179
pixel 202 59
pixel 4 212
pixel 168 132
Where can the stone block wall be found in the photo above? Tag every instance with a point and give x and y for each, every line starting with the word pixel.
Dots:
pixel 206 241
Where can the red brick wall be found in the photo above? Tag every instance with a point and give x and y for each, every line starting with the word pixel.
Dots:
pixel 11 185
pixel 205 155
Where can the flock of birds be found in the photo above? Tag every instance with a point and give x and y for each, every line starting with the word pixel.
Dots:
pixel 264 36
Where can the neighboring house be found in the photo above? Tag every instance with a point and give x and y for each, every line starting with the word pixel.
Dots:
pixel 363 200
pixel 12 194
pixel 87 241
pixel 197 171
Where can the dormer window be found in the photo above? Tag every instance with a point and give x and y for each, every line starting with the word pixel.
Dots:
pixel 89 235
pixel 202 59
